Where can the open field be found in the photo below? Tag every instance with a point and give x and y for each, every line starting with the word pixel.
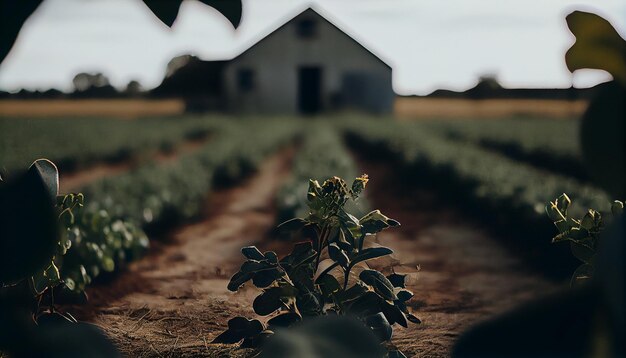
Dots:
pixel 114 108
pixel 428 108
pixel 203 187
pixel 404 108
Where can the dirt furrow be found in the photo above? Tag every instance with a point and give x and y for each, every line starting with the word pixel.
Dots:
pixel 173 302
pixel 465 276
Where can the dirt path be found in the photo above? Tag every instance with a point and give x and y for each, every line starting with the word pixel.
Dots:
pixel 465 276
pixel 173 302
pixel 72 181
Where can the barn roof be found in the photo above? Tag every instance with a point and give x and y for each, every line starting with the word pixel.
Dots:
pixel 324 16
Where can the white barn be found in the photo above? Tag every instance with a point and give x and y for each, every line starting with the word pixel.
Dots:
pixel 308 65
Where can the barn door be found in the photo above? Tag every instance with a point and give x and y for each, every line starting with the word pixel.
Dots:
pixel 309 90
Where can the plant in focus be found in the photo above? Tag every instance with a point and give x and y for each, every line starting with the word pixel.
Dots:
pixel 326 274
pixel 582 234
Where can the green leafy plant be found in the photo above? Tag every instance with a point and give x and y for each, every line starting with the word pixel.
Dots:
pixel 582 234
pixel 31 245
pixel 326 274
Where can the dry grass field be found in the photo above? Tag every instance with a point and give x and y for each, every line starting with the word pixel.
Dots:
pixel 404 108
pixel 428 108
pixel 116 108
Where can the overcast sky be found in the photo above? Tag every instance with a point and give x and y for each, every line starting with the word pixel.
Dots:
pixel 429 43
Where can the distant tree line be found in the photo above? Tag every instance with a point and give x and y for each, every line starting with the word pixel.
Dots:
pixel 488 87
pixel 200 84
pixel 85 85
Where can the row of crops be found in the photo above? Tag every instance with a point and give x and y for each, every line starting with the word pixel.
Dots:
pixel 321 155
pixel 157 196
pixel 549 144
pixel 107 226
pixel 494 187
pixel 452 157
pixel 80 142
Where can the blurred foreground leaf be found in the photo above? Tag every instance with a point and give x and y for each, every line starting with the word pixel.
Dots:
pixel 598 45
pixel 167 10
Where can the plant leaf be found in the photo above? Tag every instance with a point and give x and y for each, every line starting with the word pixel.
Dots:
pixel 167 10
pixel 238 280
pixel 371 253
pixel 380 326
pixel 337 255
pixel 397 280
pixel 273 298
pixel 598 45
pixel 252 253
pixel 284 320
pixel 379 282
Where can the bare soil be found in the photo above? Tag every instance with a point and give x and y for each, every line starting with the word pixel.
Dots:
pixel 465 276
pixel 175 301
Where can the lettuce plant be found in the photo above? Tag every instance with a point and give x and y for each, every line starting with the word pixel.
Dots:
pixel 325 274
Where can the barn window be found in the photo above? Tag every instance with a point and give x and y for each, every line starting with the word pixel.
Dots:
pixel 306 28
pixel 245 79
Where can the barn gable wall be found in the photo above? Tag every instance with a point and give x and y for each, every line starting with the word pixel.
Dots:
pixel 350 73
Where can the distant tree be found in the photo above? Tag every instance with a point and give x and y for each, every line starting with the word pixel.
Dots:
pixel 134 89
pixel 85 81
pixel 487 87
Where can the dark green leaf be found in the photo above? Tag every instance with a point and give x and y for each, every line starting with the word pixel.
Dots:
pixel 379 282
pixel 368 303
pixel 254 266
pixel 302 253
pixel 582 252
pixel 337 255
pixel 397 280
pixel 252 253
pixel 238 329
pixel 413 319
pixel 375 221
pixel 328 285
pixel 370 253
pixel 582 274
pixel 238 280
pixel 292 225
pixel 50 175
pixel 167 10
pixel 380 326
pixel 271 257
pixel 284 320
pixel 273 298
pixel 403 294
pixel 28 226
pixel 393 314
pixel 263 279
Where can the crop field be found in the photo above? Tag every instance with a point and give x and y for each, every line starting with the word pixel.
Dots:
pixel 169 202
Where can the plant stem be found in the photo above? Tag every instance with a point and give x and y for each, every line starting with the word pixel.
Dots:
pixel 346 277
pixel 361 240
pixel 320 245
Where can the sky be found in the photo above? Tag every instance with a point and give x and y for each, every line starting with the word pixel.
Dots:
pixel 430 44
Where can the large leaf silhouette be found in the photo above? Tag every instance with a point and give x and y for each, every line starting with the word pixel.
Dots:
pixel 167 10
pixel 28 222
pixel 598 45
pixel 13 14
